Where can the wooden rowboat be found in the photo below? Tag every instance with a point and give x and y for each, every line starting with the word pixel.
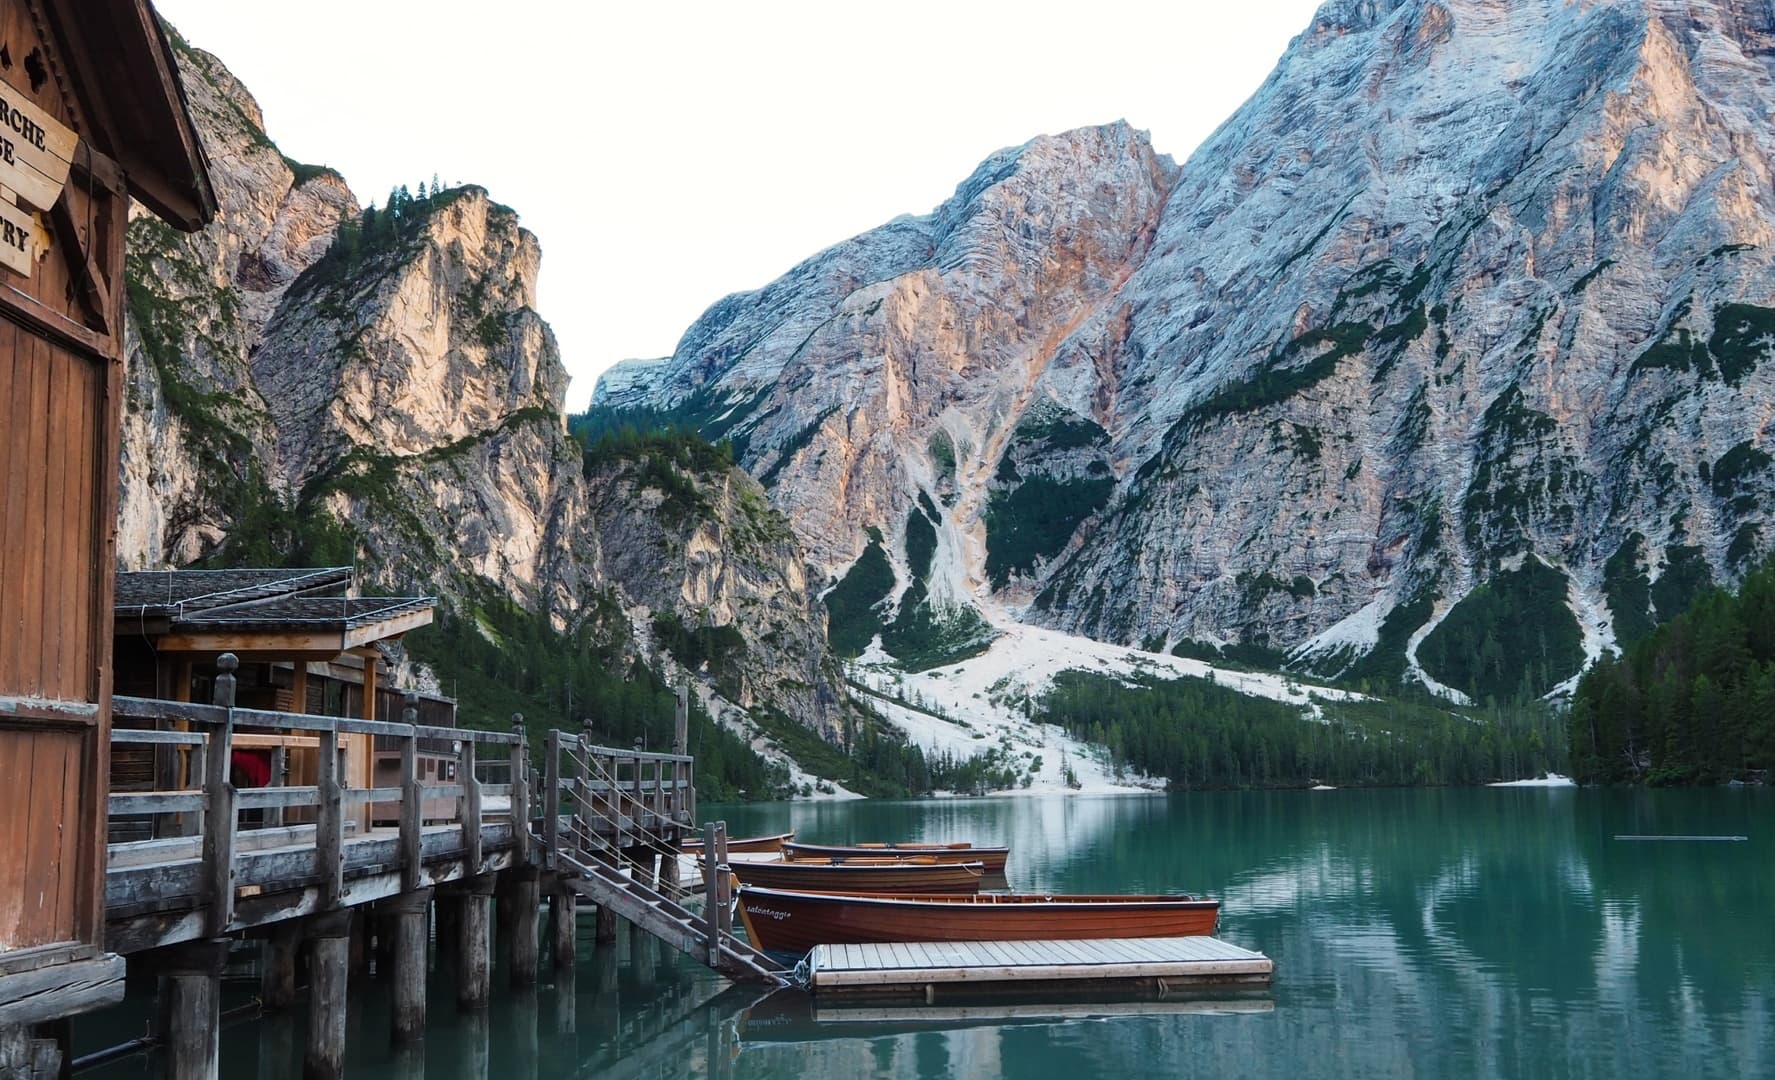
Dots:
pixel 779 920
pixel 752 844
pixel 918 878
pixel 994 858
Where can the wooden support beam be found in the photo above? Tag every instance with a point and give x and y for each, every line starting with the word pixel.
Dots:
pixel 280 771
pixel 551 803
pixel 521 788
pixel 723 885
pixel 277 966
pixel 358 954
pixel 299 687
pixel 329 963
pixel 526 906
pixel 220 818
pixel 643 957
pixel 411 911
pixel 329 838
pixel 27 1057
pixel 567 1012
pixel 469 807
pixel 448 931
pixel 563 928
pixel 712 876
pixel 412 798
pixel 474 974
pixel 42 994
pixel 504 907
pixel 604 929
pixel 193 987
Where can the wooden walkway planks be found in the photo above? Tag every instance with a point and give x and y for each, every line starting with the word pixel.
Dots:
pixel 1164 964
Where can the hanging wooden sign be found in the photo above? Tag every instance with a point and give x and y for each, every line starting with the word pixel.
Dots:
pixel 36 149
pixel 21 239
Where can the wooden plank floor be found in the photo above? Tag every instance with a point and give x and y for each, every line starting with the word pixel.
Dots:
pixel 1165 963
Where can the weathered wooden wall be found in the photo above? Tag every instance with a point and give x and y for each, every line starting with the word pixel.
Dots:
pixel 61 381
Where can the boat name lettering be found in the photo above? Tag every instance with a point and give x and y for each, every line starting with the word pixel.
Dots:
pixel 777 915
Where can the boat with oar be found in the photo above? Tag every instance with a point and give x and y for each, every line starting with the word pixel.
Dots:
pixel 751 845
pixel 921 877
pixel 779 920
pixel 993 858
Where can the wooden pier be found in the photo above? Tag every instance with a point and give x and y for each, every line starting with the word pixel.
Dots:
pixel 343 872
pixel 469 856
pixel 1105 966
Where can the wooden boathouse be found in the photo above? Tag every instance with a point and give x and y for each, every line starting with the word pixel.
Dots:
pixel 91 115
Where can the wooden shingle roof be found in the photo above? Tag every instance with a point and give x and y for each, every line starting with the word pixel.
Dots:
pixel 147 593
pixel 261 610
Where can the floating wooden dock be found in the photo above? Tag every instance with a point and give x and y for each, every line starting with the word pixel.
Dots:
pixel 1107 966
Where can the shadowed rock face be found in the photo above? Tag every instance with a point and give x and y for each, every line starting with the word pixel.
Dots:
pixel 407 387
pixel 1464 282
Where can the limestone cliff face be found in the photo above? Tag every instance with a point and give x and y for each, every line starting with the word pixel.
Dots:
pixel 725 564
pixel 198 306
pixel 300 360
pixel 1465 283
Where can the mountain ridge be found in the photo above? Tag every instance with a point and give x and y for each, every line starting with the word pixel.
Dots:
pixel 315 381
pixel 1462 284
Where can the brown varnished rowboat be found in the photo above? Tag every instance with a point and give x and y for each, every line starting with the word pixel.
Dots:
pixel 890 877
pixel 779 920
pixel 750 844
pixel 993 858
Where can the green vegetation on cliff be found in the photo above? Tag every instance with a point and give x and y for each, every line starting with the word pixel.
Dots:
pixel 497 658
pixel 853 606
pixel 1512 638
pixel 1034 521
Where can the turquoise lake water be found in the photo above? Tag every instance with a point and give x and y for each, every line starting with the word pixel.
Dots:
pixel 1416 933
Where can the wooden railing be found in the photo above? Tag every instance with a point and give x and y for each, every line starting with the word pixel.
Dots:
pixel 603 800
pixel 215 803
pixel 242 857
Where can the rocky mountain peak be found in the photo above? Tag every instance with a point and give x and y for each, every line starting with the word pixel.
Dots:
pixel 312 380
pixel 1471 298
pixel 414 334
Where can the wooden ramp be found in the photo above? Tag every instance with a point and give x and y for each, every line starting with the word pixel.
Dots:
pixel 1111 966
pixel 669 921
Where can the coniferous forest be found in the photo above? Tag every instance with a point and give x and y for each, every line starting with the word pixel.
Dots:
pixel 1198 734
pixel 1694 703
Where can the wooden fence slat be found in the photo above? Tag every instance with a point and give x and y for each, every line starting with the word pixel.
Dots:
pixel 220 818
pixel 129 803
pixel 551 801
pixel 412 798
pixel 520 785
pixel 470 809
pixel 329 836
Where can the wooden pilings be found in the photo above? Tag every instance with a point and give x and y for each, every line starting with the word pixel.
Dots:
pixel 590 809
pixel 329 964
pixel 193 974
pixel 277 964
pixel 526 901
pixel 409 914
pixel 475 959
pixel 563 926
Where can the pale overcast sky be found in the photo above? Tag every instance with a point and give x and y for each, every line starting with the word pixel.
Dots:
pixel 668 154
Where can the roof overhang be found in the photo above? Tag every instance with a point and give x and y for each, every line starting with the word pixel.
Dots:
pixel 127 80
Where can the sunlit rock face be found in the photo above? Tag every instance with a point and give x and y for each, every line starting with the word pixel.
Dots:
pixel 402 383
pixel 1464 284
